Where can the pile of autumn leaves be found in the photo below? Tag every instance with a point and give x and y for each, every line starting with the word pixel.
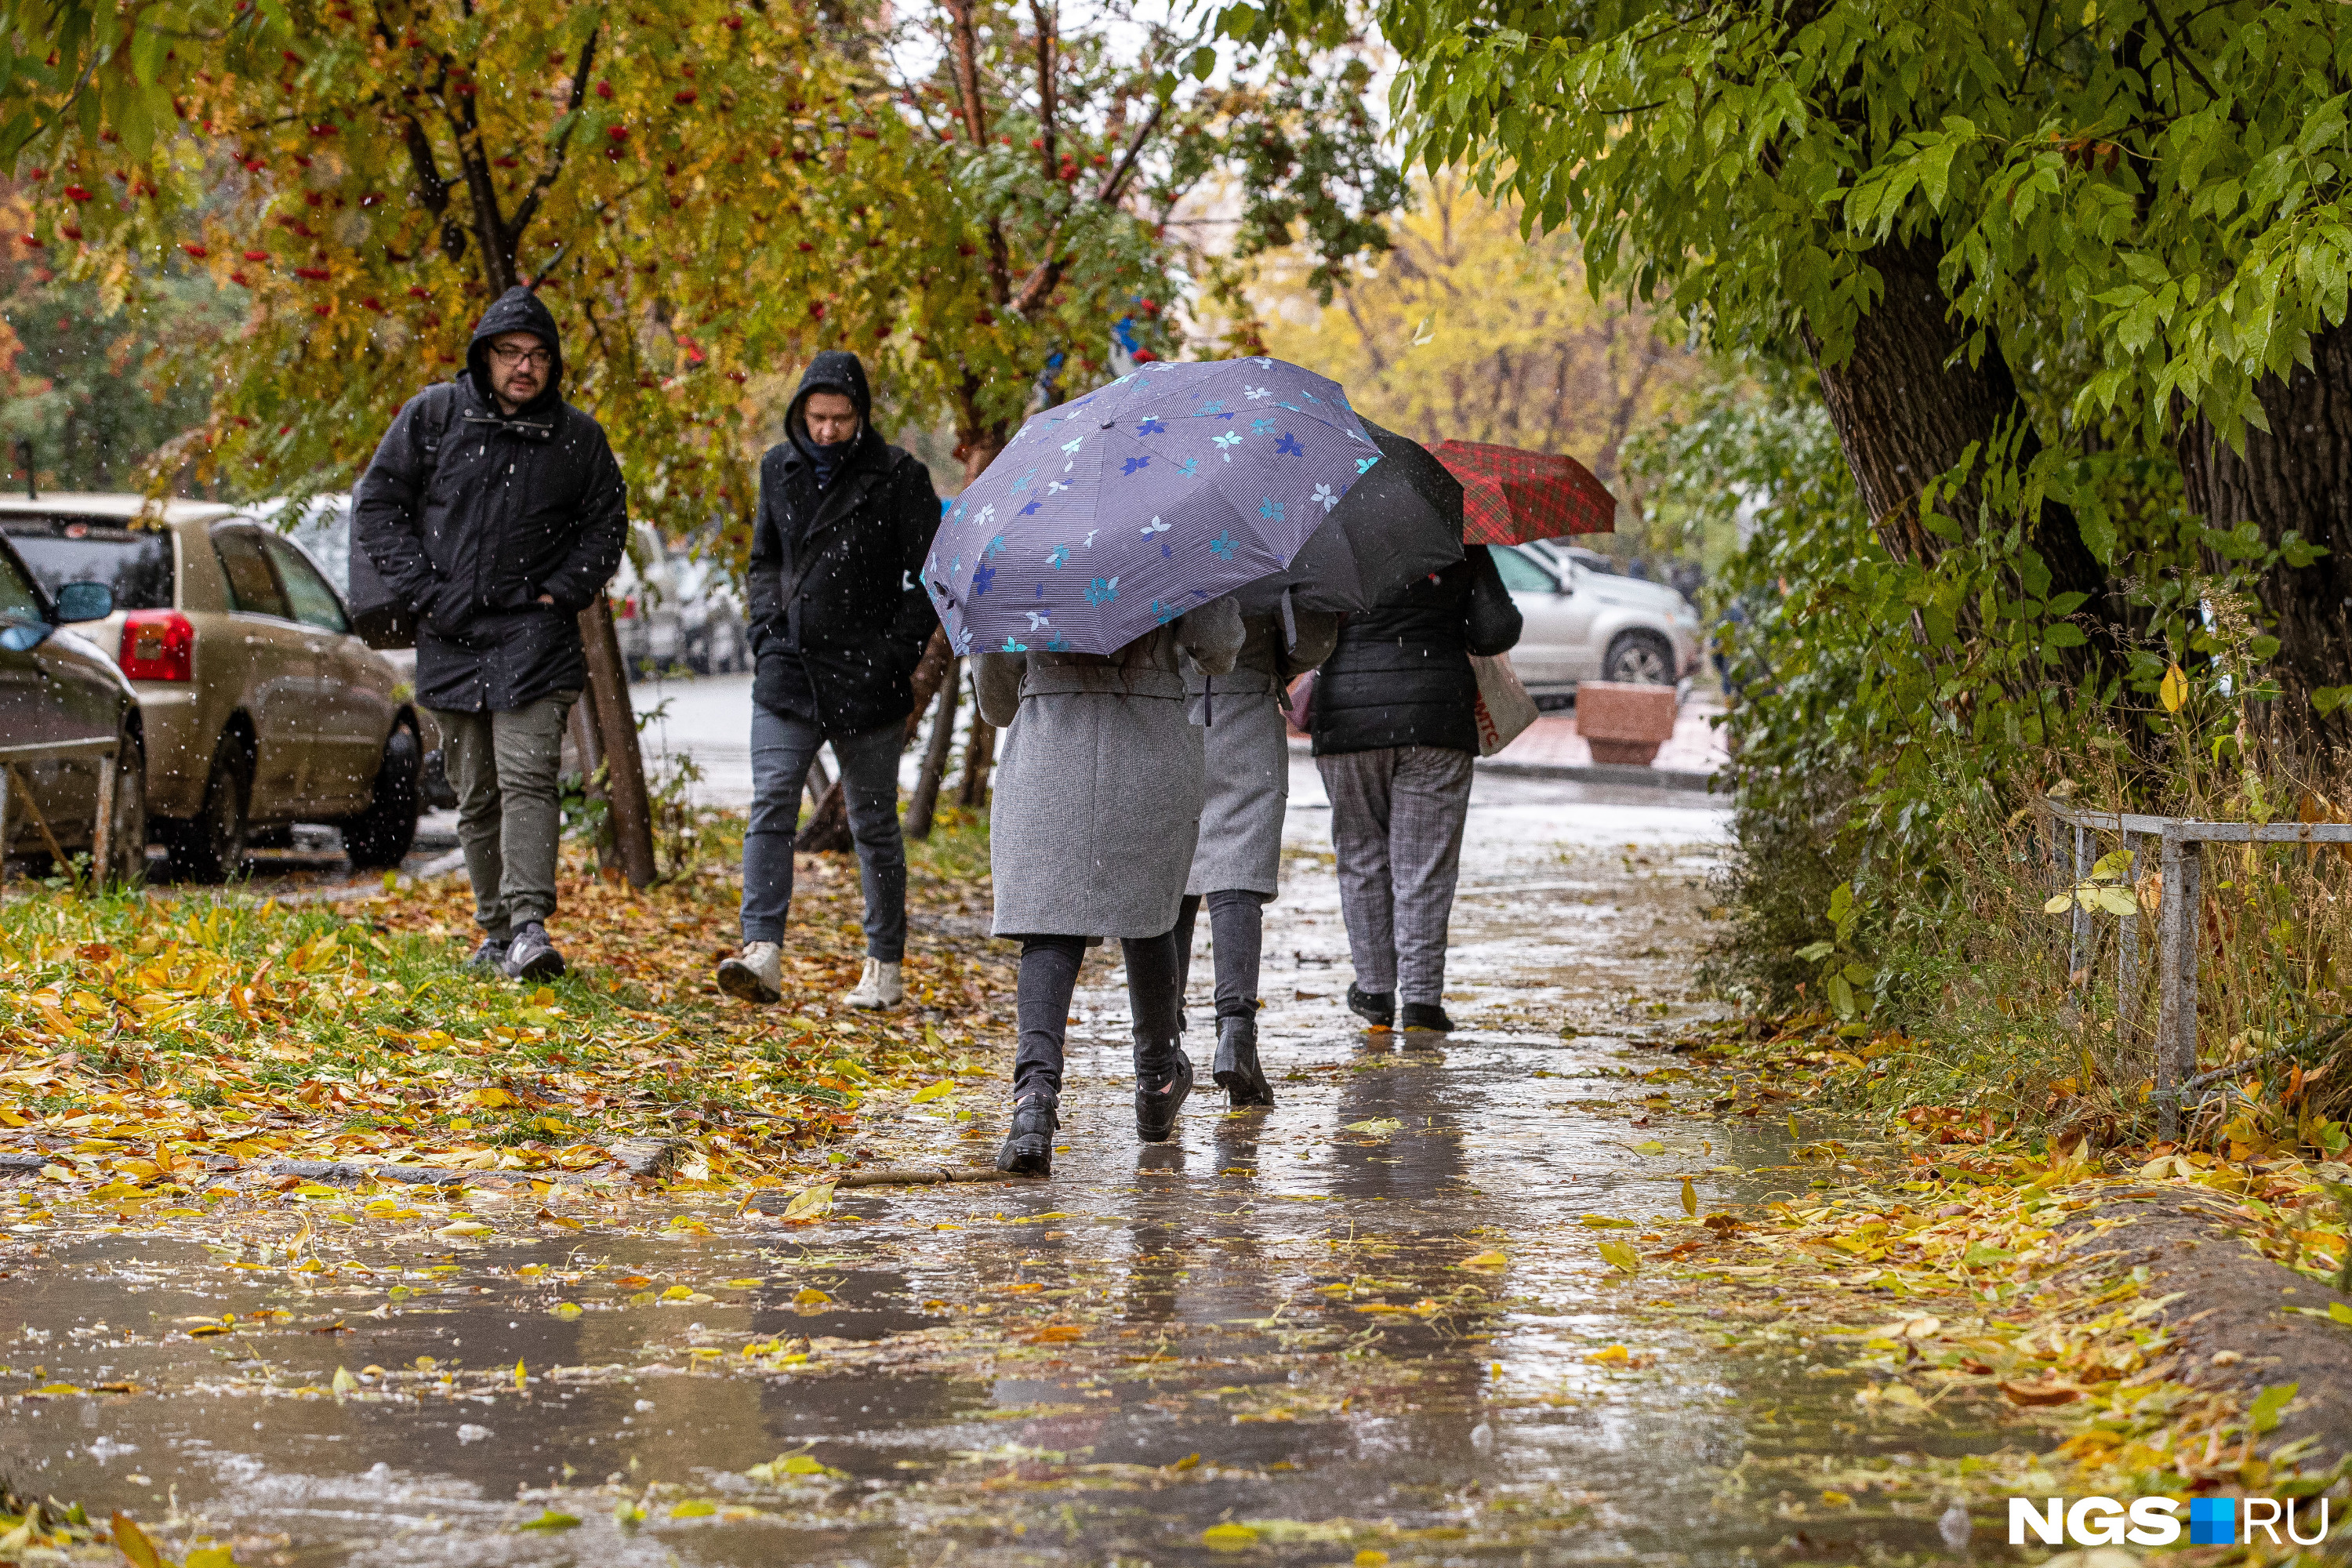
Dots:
pixel 150 1044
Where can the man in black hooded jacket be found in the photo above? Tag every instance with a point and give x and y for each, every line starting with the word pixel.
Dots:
pixel 496 513
pixel 838 624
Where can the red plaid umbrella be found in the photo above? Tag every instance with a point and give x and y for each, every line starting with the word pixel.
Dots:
pixel 1510 496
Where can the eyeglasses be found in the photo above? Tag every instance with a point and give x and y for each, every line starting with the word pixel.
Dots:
pixel 506 355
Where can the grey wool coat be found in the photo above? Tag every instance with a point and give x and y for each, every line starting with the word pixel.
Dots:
pixel 1247 751
pixel 1098 789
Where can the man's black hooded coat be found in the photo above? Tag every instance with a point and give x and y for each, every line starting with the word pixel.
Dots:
pixel 471 513
pixel 838 621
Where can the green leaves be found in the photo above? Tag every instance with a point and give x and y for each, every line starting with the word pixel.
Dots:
pixel 2263 1415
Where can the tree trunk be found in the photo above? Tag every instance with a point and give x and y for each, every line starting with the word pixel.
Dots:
pixel 979 752
pixel 1905 409
pixel 617 731
pixel 925 805
pixel 2294 476
pixel 827 832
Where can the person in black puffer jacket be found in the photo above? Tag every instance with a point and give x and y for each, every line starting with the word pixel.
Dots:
pixel 838 624
pixel 494 512
pixel 1395 728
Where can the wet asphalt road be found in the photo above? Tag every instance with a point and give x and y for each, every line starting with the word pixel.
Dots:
pixel 1364 1323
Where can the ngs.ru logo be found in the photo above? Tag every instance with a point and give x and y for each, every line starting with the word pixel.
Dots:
pixel 2155 1520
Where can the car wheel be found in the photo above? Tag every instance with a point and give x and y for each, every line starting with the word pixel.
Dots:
pixel 381 835
pixel 128 831
pixel 212 847
pixel 1639 658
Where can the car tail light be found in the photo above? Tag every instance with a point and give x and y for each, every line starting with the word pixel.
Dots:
pixel 158 644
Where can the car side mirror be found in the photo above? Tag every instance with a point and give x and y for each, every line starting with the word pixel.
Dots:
pixel 84 602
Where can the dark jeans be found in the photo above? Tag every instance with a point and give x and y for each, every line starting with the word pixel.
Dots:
pixel 1049 974
pixel 1237 927
pixel 783 746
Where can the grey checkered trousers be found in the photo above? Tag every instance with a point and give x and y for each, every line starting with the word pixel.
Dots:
pixel 1396 826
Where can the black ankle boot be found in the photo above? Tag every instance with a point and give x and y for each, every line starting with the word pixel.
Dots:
pixel 1029 1142
pixel 1377 1007
pixel 1155 1106
pixel 1427 1016
pixel 1238 1072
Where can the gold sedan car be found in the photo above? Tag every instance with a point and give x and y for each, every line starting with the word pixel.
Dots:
pixel 259 706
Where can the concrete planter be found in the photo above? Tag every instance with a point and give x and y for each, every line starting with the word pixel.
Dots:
pixel 1623 722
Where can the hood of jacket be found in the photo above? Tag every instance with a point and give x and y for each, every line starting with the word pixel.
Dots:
pixel 515 311
pixel 834 370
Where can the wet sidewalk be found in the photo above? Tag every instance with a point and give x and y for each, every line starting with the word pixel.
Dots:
pixel 1371 1325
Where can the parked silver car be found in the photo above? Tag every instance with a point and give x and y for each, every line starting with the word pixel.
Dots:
pixel 72 760
pixel 258 708
pixel 680 608
pixel 1583 625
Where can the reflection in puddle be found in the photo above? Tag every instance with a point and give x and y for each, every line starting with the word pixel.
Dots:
pixel 1366 1320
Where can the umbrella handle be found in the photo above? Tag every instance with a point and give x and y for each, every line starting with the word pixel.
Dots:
pixel 1289 621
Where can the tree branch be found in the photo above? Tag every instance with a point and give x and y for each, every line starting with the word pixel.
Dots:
pixel 529 206
pixel 963 44
pixel 1114 184
pixel 482 195
pixel 1047 143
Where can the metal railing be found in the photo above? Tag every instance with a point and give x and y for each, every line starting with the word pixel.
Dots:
pixel 2179 921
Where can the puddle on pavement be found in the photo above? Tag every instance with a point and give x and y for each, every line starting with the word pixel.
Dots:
pixel 1266 1333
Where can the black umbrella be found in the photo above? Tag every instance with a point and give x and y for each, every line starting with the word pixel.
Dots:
pixel 1401 522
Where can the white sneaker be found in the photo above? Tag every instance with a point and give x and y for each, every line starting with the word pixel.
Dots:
pixel 756 975
pixel 879 987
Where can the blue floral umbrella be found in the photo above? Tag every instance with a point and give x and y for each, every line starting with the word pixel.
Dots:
pixel 1122 509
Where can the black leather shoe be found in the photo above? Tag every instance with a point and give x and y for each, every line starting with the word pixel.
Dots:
pixel 1372 1006
pixel 1029 1142
pixel 1156 1106
pixel 1238 1072
pixel 1427 1016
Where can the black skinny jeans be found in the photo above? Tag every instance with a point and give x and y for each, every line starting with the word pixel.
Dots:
pixel 1049 975
pixel 1237 925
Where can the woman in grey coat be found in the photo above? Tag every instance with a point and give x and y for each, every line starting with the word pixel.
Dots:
pixel 1236 866
pixel 1091 831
